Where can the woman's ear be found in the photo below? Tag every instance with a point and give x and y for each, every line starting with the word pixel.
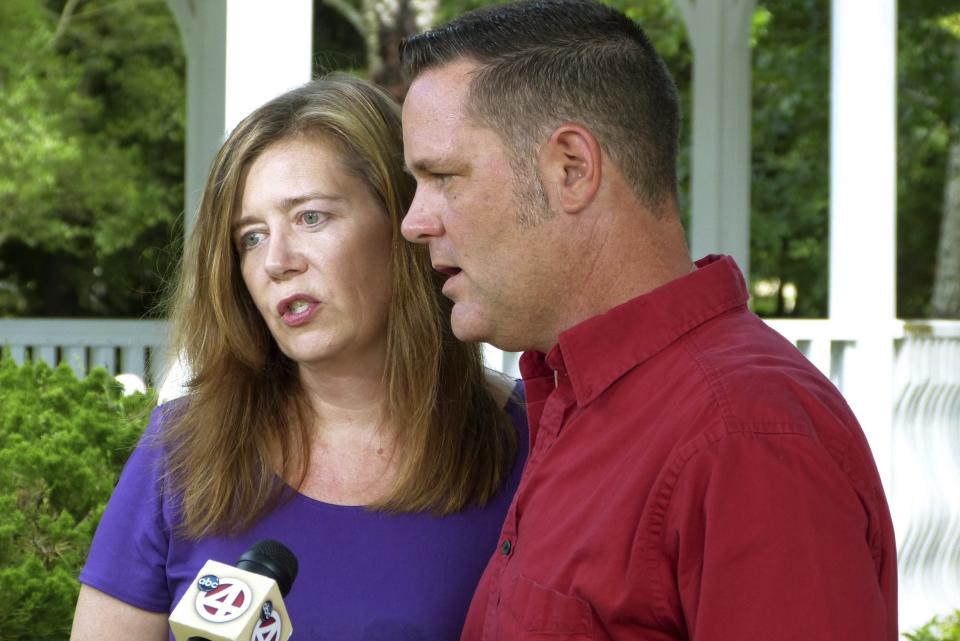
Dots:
pixel 571 164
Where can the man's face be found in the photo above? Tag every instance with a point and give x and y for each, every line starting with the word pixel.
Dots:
pixel 466 209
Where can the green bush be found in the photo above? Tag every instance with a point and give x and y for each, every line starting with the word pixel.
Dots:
pixel 63 443
pixel 938 629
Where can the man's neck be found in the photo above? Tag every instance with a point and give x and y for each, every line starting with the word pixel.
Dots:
pixel 624 256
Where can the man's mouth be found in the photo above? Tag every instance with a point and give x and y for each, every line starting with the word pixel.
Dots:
pixel 449 271
pixel 446 270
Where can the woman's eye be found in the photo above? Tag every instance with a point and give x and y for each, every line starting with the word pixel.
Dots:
pixel 312 217
pixel 250 240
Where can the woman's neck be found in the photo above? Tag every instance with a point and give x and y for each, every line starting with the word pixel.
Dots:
pixel 353 455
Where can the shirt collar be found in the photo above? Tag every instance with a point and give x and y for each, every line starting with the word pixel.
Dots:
pixel 600 350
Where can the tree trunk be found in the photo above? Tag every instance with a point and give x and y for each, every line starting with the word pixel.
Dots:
pixel 383 24
pixel 389 34
pixel 945 302
pixel 389 22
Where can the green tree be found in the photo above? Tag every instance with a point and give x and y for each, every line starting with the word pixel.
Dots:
pixel 91 155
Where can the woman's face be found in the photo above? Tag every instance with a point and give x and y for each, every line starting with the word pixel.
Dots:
pixel 314 247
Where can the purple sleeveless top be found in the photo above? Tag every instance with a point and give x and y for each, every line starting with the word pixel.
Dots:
pixel 363 575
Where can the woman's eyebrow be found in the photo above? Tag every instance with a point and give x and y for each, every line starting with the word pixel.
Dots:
pixel 286 204
pixel 289 203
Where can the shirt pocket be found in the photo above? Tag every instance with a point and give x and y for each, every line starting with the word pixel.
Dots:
pixel 537 609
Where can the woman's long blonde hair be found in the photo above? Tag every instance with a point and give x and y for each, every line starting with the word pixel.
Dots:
pixel 246 405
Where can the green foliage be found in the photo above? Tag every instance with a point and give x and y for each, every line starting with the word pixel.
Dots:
pixel 63 443
pixel 92 114
pixel 789 216
pixel 938 629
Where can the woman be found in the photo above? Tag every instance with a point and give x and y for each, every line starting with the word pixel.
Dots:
pixel 330 406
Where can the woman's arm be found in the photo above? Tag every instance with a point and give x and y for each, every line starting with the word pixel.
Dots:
pixel 100 617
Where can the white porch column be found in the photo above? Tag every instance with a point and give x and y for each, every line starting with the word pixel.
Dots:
pixel 240 53
pixel 719 32
pixel 863 208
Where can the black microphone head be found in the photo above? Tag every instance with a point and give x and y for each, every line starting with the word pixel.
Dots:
pixel 271 559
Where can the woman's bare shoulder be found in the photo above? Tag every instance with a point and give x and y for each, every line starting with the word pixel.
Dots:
pixel 500 385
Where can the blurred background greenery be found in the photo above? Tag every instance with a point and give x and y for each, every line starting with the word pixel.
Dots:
pixel 92 134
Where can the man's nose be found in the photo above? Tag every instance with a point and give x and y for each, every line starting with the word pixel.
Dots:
pixel 421 223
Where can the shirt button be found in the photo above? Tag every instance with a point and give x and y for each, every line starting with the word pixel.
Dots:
pixel 506 547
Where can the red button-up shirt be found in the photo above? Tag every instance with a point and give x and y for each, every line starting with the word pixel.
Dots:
pixel 691 476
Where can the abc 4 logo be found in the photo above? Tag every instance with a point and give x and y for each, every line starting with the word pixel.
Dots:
pixel 226 602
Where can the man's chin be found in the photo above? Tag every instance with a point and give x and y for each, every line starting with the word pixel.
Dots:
pixel 468 334
pixel 468 328
pixel 472 330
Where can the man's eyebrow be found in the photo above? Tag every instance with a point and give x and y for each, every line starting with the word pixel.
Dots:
pixel 423 165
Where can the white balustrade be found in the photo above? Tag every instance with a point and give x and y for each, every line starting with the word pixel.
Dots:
pixel 925 500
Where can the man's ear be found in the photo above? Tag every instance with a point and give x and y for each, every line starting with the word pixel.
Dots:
pixel 571 164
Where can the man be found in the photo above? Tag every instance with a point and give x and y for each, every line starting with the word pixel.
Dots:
pixel 691 475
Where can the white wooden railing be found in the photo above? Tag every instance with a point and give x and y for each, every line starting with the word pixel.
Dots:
pixel 925 496
pixel 918 451
pixel 120 346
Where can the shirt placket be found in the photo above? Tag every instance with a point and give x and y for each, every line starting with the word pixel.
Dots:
pixel 555 409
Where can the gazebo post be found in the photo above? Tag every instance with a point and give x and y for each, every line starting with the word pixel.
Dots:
pixel 719 33
pixel 240 54
pixel 863 201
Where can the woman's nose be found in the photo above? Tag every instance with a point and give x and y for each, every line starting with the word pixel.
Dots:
pixel 284 257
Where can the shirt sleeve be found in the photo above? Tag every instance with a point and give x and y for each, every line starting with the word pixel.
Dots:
pixel 770 540
pixel 127 557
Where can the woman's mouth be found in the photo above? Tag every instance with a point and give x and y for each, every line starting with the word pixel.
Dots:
pixel 298 306
pixel 297 310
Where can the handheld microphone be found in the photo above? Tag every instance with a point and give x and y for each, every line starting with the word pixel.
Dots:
pixel 242 603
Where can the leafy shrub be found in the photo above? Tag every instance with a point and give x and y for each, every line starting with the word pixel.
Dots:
pixel 938 629
pixel 63 443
